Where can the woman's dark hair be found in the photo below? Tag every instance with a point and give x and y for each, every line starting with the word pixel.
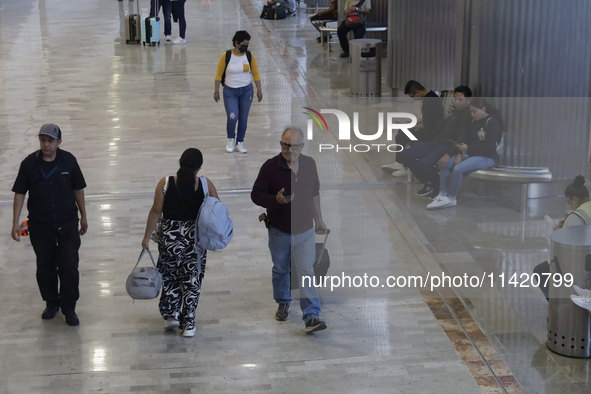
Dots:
pixel 577 189
pixel 479 102
pixel 241 35
pixel 191 160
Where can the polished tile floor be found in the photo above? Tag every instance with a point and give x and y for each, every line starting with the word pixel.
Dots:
pixel 127 112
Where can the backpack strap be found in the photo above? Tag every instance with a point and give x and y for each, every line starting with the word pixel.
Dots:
pixel 166 185
pixel 228 56
pixel 203 180
pixel 249 58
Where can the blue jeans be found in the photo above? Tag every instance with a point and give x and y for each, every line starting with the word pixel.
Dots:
pixel 237 102
pixel 299 249
pixel 421 159
pixel 166 10
pixel 468 164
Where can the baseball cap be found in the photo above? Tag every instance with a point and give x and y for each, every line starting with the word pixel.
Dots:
pixel 51 130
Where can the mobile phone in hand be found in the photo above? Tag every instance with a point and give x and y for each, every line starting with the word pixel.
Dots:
pixel 287 194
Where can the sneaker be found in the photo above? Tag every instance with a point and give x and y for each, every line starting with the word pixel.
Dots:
pixel 442 202
pixel 189 333
pixel 179 40
pixel 282 312
pixel 50 312
pixel 315 324
pixel 582 301
pixel 390 168
pixel 426 190
pixel 169 38
pixel 582 292
pixel 345 54
pixel 171 323
pixel 400 173
pixel 72 319
pixel 230 145
pixel 240 147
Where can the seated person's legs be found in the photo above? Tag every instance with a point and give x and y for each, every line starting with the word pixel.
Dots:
pixel 342 33
pixel 470 164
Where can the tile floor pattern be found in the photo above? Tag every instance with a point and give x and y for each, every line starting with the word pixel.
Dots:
pixel 127 112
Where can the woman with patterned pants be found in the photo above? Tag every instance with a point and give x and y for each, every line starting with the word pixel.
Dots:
pixel 181 262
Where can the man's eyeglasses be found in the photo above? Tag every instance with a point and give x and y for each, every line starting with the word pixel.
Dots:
pixel 286 146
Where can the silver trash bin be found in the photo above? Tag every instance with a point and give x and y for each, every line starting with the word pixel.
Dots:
pixel 569 326
pixel 365 56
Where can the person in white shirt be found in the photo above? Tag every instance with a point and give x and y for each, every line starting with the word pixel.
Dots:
pixel 363 7
pixel 236 70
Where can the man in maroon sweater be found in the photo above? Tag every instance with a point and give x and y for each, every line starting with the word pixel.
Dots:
pixel 288 187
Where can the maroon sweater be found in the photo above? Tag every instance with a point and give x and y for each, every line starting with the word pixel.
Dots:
pixel 298 216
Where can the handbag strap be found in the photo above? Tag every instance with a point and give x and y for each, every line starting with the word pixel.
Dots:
pixel 360 3
pixel 142 255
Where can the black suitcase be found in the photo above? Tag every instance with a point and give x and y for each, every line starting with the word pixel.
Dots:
pixel 321 265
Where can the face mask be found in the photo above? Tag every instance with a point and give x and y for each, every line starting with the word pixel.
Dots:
pixel 243 48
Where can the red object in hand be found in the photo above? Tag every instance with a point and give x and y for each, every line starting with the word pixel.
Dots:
pixel 24 228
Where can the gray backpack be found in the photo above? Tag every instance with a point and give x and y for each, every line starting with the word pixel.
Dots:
pixel 144 283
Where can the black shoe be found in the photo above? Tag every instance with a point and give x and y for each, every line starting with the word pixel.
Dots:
pixel 50 312
pixel 72 319
pixel 345 54
pixel 282 312
pixel 315 324
pixel 319 39
pixel 426 190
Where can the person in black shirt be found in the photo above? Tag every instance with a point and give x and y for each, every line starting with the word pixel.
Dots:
pixel 288 187
pixel 425 130
pixel 181 261
pixel 421 159
pixel 56 193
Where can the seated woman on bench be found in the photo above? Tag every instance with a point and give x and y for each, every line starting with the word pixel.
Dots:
pixel 476 150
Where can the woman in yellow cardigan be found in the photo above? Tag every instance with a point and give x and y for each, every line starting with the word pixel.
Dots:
pixel 236 70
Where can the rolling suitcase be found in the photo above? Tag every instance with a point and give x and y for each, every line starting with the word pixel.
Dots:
pixel 321 264
pixel 151 29
pixel 133 32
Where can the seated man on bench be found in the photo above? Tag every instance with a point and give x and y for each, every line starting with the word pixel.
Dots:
pixel 320 18
pixel 425 130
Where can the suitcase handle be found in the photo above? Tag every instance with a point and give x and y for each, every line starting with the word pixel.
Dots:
pixel 323 247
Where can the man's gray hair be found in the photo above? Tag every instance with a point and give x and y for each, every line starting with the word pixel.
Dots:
pixel 293 129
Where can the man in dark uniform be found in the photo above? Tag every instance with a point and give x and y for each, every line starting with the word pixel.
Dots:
pixel 56 193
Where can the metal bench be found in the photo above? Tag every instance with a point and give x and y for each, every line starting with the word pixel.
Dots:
pixel 521 175
pixel 326 30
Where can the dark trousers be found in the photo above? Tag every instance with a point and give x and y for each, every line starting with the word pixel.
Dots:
pixel 178 9
pixel 57 257
pixel 421 160
pixel 166 10
pixel 422 135
pixel 342 31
